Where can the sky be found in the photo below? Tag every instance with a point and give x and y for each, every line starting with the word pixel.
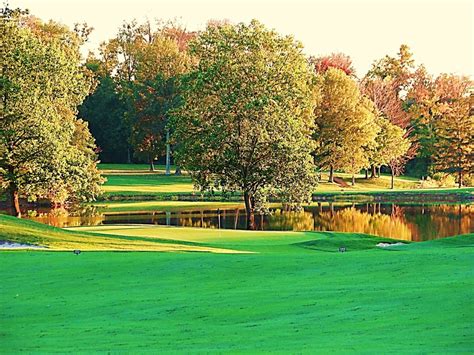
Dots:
pixel 439 32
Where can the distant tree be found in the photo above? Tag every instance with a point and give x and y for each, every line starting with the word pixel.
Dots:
pixel 398 70
pixel 384 95
pixel 387 84
pixel 335 60
pixel 399 159
pixel 454 126
pixel 153 102
pixel 139 59
pixel 344 124
pixel 442 121
pixel 160 63
pixel 355 162
pixel 393 146
pixel 419 104
pixel 104 111
pixel 44 150
pixel 246 120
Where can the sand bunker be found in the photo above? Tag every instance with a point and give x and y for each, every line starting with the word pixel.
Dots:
pixel 384 245
pixel 4 244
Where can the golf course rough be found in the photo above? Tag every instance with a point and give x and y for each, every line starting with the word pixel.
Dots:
pixel 294 293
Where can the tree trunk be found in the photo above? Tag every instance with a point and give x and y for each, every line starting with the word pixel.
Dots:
pixel 249 209
pixel 331 174
pixel 177 171
pixel 366 174
pixel 353 180
pixel 372 172
pixel 460 179
pixel 168 152
pixel 236 220
pixel 152 165
pixel 392 182
pixel 129 158
pixel 378 171
pixel 14 201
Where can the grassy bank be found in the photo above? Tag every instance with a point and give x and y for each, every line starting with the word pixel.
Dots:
pixel 136 182
pixel 168 206
pixel 294 293
pixel 56 239
pixel 398 195
pixel 147 184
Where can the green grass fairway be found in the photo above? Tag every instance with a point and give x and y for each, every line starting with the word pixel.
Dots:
pixel 363 184
pixel 110 168
pixel 147 184
pixel 132 181
pixel 294 294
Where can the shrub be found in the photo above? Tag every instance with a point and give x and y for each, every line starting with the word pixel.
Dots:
pixel 444 180
pixel 468 180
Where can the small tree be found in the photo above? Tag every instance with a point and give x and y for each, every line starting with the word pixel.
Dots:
pixel 344 124
pixel 390 148
pixel 246 119
pixel 395 150
pixel 153 100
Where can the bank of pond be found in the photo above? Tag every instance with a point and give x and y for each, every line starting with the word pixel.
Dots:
pixel 404 221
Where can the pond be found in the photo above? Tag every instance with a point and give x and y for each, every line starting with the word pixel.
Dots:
pixel 415 222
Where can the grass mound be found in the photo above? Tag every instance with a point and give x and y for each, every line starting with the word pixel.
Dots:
pixel 350 241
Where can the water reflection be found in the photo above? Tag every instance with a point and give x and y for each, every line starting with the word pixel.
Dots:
pixel 61 217
pixel 407 222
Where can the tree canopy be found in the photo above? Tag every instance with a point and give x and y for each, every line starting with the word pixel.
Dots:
pixel 45 151
pixel 142 64
pixel 247 115
pixel 345 124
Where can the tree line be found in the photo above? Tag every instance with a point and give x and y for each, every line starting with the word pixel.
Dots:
pixel 396 116
pixel 239 106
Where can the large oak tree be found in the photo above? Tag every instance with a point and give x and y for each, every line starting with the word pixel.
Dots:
pixel 246 120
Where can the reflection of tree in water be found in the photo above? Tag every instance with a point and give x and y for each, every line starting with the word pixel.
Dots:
pixel 439 221
pixel 196 222
pixel 291 220
pixel 396 221
pixel 353 220
pixel 199 220
pixel 407 222
pixel 61 217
